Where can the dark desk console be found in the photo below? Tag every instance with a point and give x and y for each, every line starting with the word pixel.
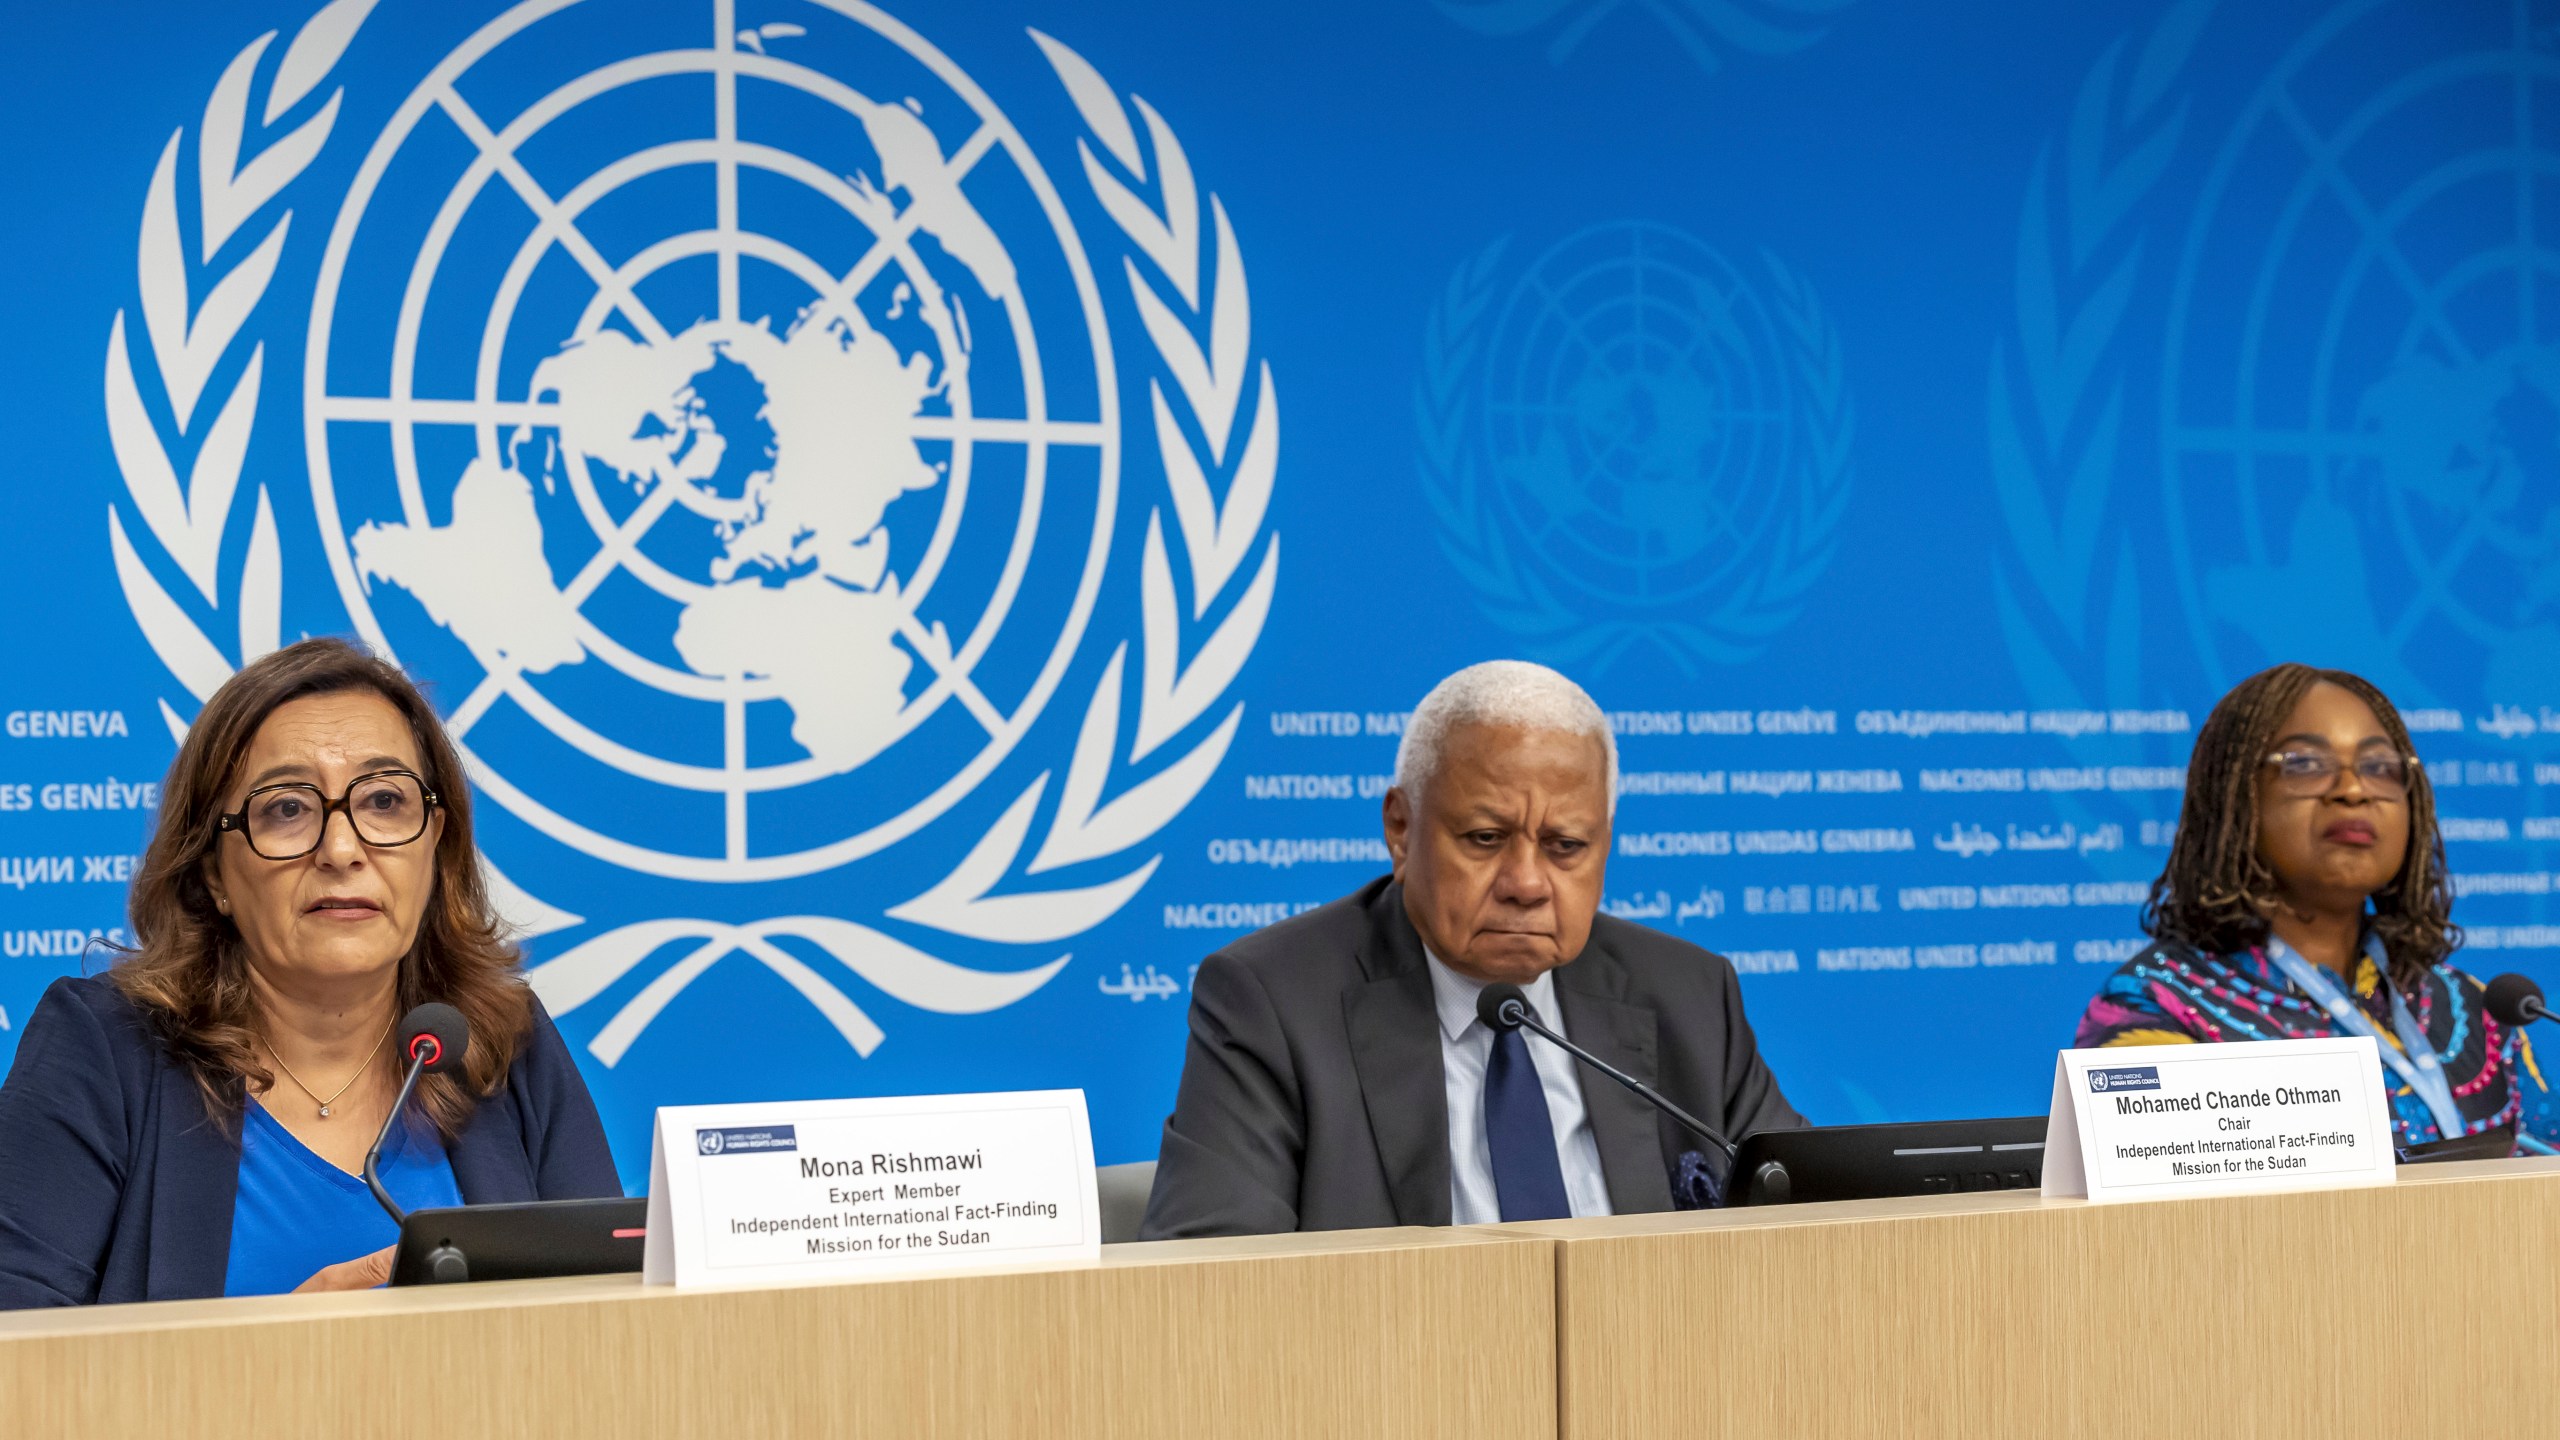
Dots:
pixel 520 1242
pixel 1865 1162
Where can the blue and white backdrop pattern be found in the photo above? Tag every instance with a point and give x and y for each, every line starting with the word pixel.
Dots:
pixel 827 459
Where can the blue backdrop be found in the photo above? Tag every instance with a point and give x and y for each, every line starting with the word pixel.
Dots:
pixel 1905 419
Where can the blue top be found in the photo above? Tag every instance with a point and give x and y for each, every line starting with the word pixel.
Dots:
pixel 115 1184
pixel 299 1214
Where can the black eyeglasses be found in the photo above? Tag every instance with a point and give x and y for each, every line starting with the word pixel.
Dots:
pixel 2302 772
pixel 287 822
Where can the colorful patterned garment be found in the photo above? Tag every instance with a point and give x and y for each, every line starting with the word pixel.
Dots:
pixel 2170 996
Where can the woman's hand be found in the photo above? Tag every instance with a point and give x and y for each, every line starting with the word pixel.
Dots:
pixel 362 1273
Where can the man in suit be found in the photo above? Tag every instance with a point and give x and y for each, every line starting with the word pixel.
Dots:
pixel 1337 1076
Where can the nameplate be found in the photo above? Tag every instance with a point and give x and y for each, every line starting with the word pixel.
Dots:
pixel 2145 1121
pixel 815 1189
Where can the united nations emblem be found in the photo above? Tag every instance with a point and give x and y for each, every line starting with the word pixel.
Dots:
pixel 2352 394
pixel 2414 481
pixel 1706 29
pixel 728 416
pixel 1635 443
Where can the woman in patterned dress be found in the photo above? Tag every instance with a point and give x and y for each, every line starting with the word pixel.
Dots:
pixel 2305 897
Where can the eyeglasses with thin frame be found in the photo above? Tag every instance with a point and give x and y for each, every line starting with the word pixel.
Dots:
pixel 286 822
pixel 2303 772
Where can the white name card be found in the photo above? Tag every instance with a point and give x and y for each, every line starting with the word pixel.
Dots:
pixel 833 1188
pixel 2144 1121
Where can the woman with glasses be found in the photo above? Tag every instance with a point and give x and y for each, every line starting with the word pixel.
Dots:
pixel 193 1121
pixel 2305 897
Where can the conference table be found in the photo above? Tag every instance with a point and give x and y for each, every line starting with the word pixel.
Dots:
pixel 2433 1302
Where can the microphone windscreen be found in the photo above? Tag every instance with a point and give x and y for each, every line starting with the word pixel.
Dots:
pixel 1490 1002
pixel 2513 999
pixel 452 1035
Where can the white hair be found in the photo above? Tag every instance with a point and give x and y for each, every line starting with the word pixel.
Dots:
pixel 1513 694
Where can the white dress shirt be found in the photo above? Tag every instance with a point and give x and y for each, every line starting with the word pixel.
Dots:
pixel 1465 1046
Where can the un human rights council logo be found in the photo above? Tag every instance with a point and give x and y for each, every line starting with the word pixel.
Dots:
pixel 729 418
pixel 1635 443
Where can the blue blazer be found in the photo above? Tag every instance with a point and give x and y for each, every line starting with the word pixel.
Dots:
pixel 116 1185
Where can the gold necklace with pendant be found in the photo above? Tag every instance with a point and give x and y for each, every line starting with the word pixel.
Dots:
pixel 343 1089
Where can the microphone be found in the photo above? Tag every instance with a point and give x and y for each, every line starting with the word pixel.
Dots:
pixel 2515 1000
pixel 435 1037
pixel 1503 1007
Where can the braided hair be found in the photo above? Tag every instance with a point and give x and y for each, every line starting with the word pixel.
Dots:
pixel 2217 891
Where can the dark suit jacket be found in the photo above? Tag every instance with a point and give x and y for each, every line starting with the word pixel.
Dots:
pixel 1312 1093
pixel 116 1185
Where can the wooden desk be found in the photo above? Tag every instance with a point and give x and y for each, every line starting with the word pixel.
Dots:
pixel 2431 1304
pixel 1383 1333
pixel 1971 1315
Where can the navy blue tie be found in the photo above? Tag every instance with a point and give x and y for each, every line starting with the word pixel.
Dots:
pixel 1521 1135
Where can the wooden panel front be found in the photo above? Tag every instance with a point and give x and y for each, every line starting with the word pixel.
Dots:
pixel 1384 1333
pixel 2432 1304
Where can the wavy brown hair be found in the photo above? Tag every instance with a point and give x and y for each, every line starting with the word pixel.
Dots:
pixel 2217 890
pixel 188 968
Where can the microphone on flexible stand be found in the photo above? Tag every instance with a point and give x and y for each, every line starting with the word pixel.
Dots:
pixel 1503 1007
pixel 516 1240
pixel 2515 1001
pixel 435 1037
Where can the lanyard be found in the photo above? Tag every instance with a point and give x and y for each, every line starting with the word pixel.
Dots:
pixel 2413 1060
